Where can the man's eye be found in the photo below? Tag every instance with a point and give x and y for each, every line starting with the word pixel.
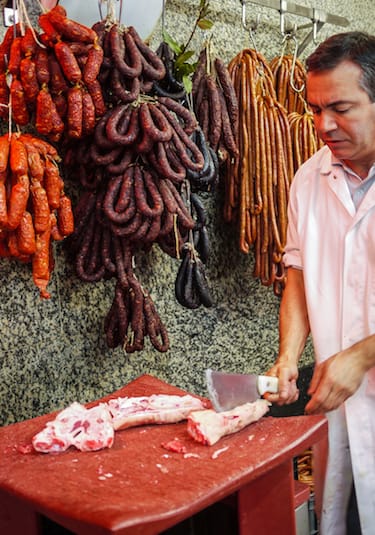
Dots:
pixel 341 109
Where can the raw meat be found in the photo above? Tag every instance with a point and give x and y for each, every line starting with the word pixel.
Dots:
pixel 208 426
pixel 94 429
pixel 155 409
pixel 86 429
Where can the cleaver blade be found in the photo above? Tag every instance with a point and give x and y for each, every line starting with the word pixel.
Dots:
pixel 228 390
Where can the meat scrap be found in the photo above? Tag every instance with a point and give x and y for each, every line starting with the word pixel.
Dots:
pixel 86 429
pixel 154 409
pixel 208 426
pixel 175 445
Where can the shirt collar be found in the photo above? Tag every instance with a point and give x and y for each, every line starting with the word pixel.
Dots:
pixel 330 161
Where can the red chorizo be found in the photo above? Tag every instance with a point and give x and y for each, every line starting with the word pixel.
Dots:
pixel 3 206
pixel 29 79
pixel 43 115
pixel 15 56
pixel 20 112
pixel 41 210
pixel 42 66
pixel 75 112
pixel 95 90
pixel 65 219
pixel 26 235
pixel 19 196
pixel 92 66
pixel 68 62
pixel 41 262
pixel 4 95
pixel 53 183
pixel 18 156
pixel 72 30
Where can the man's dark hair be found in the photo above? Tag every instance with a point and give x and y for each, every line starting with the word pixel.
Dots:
pixel 357 47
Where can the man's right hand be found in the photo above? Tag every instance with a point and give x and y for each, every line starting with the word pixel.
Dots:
pixel 288 391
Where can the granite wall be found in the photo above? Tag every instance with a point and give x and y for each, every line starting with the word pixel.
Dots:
pixel 53 352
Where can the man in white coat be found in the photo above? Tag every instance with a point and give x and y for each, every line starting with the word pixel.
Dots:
pixel 330 290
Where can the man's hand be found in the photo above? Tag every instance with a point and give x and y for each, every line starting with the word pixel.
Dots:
pixel 334 381
pixel 288 391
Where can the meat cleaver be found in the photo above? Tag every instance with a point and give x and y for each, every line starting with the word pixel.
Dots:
pixel 228 390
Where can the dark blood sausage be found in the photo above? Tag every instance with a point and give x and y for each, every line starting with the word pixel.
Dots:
pixel 144 188
pixel 119 44
pixel 118 120
pixel 104 157
pixel 215 112
pixel 152 65
pixel 133 56
pixel 120 164
pixel 228 91
pixel 112 201
pixel 125 89
pixel 161 163
pixel 184 115
pixel 100 135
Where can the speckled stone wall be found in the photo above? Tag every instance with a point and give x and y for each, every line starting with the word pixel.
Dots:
pixel 53 351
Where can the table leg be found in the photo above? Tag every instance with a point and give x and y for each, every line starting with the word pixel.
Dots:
pixel 16 518
pixel 320 455
pixel 266 505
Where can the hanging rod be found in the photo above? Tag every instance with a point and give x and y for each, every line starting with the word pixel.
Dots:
pixel 317 16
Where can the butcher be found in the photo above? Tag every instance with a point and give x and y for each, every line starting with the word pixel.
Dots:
pixel 330 289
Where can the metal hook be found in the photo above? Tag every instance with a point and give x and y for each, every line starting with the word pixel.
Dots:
pixel 111 11
pixel 252 28
pixel 283 10
pixel 293 68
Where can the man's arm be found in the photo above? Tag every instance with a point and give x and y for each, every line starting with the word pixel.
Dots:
pixel 294 329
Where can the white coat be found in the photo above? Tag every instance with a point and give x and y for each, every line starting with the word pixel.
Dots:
pixel 335 246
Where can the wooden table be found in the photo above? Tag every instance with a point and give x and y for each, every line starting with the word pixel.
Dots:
pixel 138 487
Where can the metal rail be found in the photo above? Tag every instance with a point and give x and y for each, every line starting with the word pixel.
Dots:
pixel 317 17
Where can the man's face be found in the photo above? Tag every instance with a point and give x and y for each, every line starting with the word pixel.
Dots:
pixel 344 115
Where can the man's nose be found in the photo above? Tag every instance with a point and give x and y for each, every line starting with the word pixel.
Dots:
pixel 327 122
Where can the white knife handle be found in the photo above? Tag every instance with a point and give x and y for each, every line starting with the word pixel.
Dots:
pixel 267 383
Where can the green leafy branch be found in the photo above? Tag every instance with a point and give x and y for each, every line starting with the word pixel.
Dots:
pixel 183 68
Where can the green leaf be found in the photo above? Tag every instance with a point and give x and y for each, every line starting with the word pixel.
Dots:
pixel 176 48
pixel 183 58
pixel 205 24
pixel 188 84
